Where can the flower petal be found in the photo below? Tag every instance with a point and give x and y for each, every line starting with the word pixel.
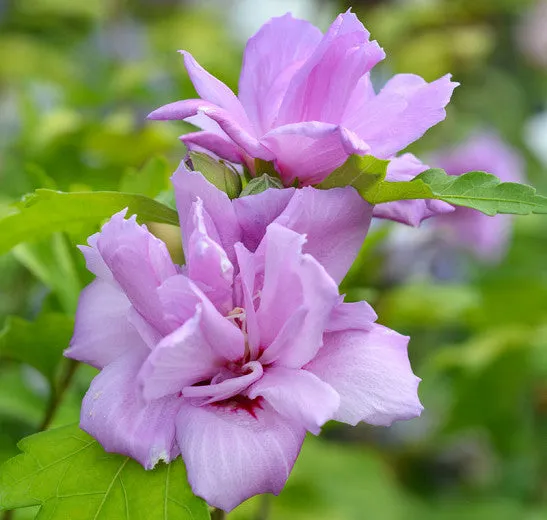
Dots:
pixel 355 315
pixel 208 264
pixel 256 212
pixel 221 146
pixel 191 185
pixel 322 87
pixel 310 151
pixel 272 56
pixel 232 453
pixel 103 331
pixel 371 372
pixel 298 395
pixel 114 412
pixel 401 113
pixel 411 212
pixel 335 223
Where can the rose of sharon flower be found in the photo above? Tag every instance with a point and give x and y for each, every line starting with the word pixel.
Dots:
pixel 306 102
pixel 232 358
pixel 486 237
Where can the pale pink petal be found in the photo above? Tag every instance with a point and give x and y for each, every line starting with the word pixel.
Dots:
pixel 256 212
pixel 371 372
pixel 233 453
pixel 220 146
pixel 298 395
pixel 225 388
pixel 335 223
pixel 139 263
pixel 293 280
pixel 401 113
pixel 225 120
pixel 114 413
pixel 322 87
pixel 347 316
pixel 188 187
pixel 411 212
pixel 309 151
pixel 248 288
pixel 103 331
pixel 178 294
pixel 182 358
pixel 208 264
pixel 215 91
pixel 272 56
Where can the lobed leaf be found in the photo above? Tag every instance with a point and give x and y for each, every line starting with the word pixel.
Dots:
pixel 68 474
pixel 47 211
pixel 260 184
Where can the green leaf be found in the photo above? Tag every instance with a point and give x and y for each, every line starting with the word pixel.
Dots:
pixel 361 172
pixel 478 190
pixel 69 475
pixel 262 167
pixel 150 180
pixel 39 343
pixel 48 211
pixel 51 261
pixel 219 173
pixel 260 184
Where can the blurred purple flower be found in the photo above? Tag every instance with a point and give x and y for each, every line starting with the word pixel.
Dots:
pixel 486 237
pixel 230 359
pixel 306 102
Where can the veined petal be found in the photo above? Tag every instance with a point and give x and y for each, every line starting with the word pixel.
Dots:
pixel 219 145
pixel 139 263
pixel 411 212
pixel 182 358
pixel 272 56
pixel 191 185
pixel 233 453
pixel 103 331
pixel 335 223
pixel 298 395
pixel 321 88
pixel 401 113
pixel 309 151
pixel 371 372
pixel 114 412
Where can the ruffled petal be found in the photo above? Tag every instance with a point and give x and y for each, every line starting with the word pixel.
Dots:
pixel 139 263
pixel 114 412
pixel 297 395
pixel 103 331
pixel 272 56
pixel 401 113
pixel 188 187
pixel 293 280
pixel 235 451
pixel 310 151
pixel 411 212
pixel 335 223
pixel 352 316
pixel 256 212
pixel 371 372
pixel 322 87
pixel 208 264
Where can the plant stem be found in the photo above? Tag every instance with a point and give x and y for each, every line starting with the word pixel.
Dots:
pixel 58 393
pixel 218 514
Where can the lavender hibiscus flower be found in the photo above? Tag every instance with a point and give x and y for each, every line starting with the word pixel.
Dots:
pixel 232 358
pixel 306 102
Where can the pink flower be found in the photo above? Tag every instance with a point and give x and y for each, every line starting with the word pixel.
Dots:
pixel 306 102
pixel 232 358
pixel 486 237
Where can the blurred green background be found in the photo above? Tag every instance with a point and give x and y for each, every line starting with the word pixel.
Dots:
pixel 77 78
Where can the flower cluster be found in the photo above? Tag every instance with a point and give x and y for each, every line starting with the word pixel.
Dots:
pixel 231 358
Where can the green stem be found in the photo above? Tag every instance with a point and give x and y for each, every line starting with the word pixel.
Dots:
pixel 218 514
